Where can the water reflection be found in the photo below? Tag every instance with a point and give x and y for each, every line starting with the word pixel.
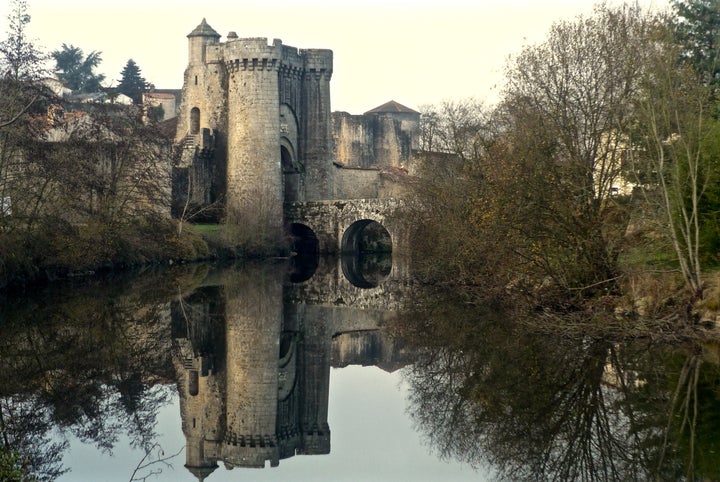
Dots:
pixel 251 354
pixel 366 270
pixel 253 379
pixel 253 366
pixel 84 361
pixel 486 390
pixel 251 361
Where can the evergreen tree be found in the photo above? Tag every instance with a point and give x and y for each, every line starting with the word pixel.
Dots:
pixel 76 70
pixel 698 31
pixel 132 82
pixel 20 59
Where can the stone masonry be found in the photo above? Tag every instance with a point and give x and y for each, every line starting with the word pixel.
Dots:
pixel 265 111
pixel 260 146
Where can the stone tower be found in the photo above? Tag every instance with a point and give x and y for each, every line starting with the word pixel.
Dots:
pixel 259 115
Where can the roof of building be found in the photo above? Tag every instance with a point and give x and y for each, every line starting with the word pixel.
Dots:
pixel 204 30
pixel 392 107
pixel 177 93
pixel 159 95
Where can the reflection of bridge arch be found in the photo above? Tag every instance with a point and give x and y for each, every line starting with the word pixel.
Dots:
pixel 366 271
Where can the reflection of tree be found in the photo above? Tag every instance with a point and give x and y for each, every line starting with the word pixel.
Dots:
pixel 93 362
pixel 685 432
pixel 25 427
pixel 488 392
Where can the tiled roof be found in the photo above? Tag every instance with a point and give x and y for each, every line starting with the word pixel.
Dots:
pixel 392 107
pixel 159 95
pixel 204 30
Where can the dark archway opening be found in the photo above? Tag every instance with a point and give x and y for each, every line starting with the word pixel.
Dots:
pixel 366 236
pixel 291 175
pixel 193 383
pixel 366 249
pixel 306 249
pixel 194 121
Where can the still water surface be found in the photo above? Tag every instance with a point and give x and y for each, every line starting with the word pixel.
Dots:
pixel 372 439
pixel 258 372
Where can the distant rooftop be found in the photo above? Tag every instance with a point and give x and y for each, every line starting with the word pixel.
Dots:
pixel 392 107
pixel 159 95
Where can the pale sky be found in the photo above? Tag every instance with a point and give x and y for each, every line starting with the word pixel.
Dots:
pixel 414 52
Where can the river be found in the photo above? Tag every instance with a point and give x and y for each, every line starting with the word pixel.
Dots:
pixel 335 370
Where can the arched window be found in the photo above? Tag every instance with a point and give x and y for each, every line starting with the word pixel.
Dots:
pixel 193 383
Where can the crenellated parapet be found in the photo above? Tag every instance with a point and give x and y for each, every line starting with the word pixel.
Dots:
pixel 293 72
pixel 270 106
pixel 251 65
pixel 318 63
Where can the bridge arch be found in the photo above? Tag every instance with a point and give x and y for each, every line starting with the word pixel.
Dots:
pixel 304 239
pixel 306 247
pixel 366 248
pixel 344 225
pixel 366 235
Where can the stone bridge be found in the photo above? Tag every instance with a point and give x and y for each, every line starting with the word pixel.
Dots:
pixel 338 225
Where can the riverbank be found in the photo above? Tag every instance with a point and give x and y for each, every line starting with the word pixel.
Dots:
pixel 53 253
pixel 647 297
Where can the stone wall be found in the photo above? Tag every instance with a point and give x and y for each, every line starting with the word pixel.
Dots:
pixel 357 183
pixel 316 143
pixel 376 138
pixel 267 107
pixel 331 221
pixel 254 176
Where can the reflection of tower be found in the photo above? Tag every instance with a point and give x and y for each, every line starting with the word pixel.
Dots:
pixel 253 316
pixel 316 382
pixel 198 330
pixel 253 380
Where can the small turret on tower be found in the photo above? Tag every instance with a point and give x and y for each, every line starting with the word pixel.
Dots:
pixel 266 111
pixel 201 36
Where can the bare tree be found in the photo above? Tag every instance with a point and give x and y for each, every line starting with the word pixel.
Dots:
pixel 449 194
pixel 565 109
pixel 676 133
pixel 20 94
pixel 454 127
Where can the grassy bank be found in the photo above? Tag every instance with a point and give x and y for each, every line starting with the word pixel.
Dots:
pixel 49 252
